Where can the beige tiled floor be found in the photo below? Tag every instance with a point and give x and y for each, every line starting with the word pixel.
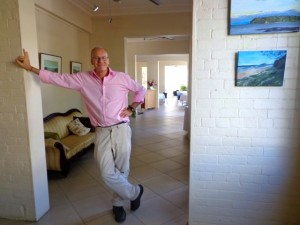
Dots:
pixel 160 161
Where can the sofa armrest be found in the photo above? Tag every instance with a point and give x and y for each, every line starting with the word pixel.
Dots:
pixel 55 156
pixel 52 135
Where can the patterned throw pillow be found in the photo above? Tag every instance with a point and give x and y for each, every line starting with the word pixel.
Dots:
pixel 76 127
pixel 86 122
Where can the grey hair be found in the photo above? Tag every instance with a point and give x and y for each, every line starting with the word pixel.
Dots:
pixel 97 48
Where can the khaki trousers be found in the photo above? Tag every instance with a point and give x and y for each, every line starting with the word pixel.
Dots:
pixel 112 154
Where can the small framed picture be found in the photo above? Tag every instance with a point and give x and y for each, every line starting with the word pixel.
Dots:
pixel 261 68
pixel 75 67
pixel 50 62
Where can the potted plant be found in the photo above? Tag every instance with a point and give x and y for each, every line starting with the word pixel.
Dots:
pixel 183 88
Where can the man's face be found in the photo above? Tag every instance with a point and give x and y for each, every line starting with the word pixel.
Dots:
pixel 100 60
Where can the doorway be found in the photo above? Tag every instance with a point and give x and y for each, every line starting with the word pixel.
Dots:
pixel 176 81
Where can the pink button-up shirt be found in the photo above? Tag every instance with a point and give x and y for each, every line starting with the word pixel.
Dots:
pixel 104 100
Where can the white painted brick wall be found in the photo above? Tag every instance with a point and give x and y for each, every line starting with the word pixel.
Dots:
pixel 223 122
pixel 14 166
pixel 20 186
pixel 245 146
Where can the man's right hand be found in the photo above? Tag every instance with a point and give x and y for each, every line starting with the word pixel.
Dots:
pixel 23 61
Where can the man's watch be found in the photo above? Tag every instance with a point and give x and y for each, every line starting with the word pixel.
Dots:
pixel 131 108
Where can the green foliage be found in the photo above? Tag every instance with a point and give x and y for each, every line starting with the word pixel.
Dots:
pixel 270 77
pixel 183 88
pixel 275 19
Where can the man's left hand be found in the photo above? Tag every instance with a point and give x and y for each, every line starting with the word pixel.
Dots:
pixel 126 112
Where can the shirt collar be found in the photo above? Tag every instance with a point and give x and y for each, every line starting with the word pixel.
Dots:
pixel 110 72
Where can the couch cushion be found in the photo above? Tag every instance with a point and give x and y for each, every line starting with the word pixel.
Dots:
pixel 76 127
pixel 77 143
pixel 59 124
pixel 86 122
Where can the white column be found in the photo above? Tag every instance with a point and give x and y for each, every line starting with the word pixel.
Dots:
pixel 23 175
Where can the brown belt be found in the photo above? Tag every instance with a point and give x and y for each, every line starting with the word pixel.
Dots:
pixel 113 125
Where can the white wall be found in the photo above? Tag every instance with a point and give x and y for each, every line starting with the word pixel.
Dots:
pixel 67 12
pixel 245 151
pixel 111 35
pixel 62 34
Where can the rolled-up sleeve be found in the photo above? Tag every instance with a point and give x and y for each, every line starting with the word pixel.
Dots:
pixel 138 91
pixel 139 95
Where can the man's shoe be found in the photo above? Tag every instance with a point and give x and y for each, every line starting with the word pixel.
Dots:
pixel 119 213
pixel 135 204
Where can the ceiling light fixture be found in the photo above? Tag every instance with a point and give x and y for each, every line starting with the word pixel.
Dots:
pixel 109 8
pixel 96 8
pixel 156 2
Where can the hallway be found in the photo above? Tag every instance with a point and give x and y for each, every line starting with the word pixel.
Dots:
pixel 160 161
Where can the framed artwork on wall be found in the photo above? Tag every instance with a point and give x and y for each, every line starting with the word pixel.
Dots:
pixel 50 62
pixel 260 68
pixel 75 67
pixel 263 17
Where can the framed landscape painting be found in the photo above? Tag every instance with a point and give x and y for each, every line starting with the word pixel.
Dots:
pixel 264 16
pixel 50 62
pixel 75 67
pixel 261 68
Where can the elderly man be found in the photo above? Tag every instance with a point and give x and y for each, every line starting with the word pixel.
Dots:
pixel 105 94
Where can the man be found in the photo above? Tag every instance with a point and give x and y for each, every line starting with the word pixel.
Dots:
pixel 105 94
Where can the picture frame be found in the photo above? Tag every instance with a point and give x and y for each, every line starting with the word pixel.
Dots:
pixel 264 17
pixel 51 63
pixel 261 68
pixel 75 67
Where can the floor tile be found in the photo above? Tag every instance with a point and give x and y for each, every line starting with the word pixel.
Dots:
pixel 150 157
pixel 157 211
pixel 179 198
pixel 89 208
pixel 166 165
pixel 109 220
pixel 181 175
pixel 145 172
pixel 180 220
pixel 62 215
pixel 163 184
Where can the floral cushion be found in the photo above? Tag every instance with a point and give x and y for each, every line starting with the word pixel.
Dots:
pixel 76 127
pixel 86 122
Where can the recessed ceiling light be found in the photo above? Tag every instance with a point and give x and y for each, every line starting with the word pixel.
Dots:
pixel 96 8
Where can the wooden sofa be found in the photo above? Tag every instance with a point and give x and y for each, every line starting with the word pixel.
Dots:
pixel 62 146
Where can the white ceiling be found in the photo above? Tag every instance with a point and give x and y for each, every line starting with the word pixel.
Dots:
pixel 132 7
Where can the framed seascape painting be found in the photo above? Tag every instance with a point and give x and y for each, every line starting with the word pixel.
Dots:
pixel 50 62
pixel 264 16
pixel 261 68
pixel 75 67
